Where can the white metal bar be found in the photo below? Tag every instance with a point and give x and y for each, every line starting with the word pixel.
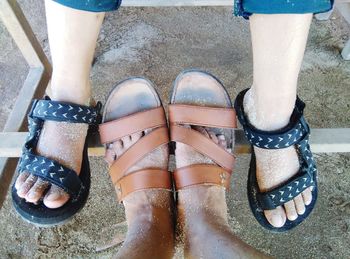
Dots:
pixel 157 3
pixel 321 140
pixel 7 165
pixel 25 96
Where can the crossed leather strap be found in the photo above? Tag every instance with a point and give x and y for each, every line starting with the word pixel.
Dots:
pixel 147 178
pixel 150 178
pixel 212 174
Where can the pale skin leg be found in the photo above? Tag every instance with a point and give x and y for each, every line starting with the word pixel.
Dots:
pixel 72 37
pixel 278 48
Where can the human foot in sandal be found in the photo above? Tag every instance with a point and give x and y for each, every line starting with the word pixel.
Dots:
pixel 282 181
pixel 136 136
pixel 201 120
pixel 54 179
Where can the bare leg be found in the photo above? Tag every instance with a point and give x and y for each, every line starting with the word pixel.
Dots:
pixel 278 48
pixel 72 35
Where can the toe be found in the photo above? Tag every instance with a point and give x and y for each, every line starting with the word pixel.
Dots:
pixel 26 186
pixel 213 136
pixel 222 141
pixel 55 197
pixel 276 217
pixel 126 142
pixel 21 179
pixel 307 196
pixel 135 137
pixel 299 204
pixel 291 210
pixel 147 131
pixel 118 147
pixel 36 192
pixel 110 156
pixel 201 130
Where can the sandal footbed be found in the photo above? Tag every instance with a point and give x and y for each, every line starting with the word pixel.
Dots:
pixel 197 87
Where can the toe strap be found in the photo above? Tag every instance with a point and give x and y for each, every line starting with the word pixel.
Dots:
pixel 202 116
pixel 280 195
pixel 52 172
pixel 141 180
pixel 200 174
pixel 203 145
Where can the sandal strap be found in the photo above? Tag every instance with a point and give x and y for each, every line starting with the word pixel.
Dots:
pixel 53 172
pixel 43 167
pixel 63 111
pixel 143 179
pixel 136 152
pixel 202 116
pixel 200 174
pixel 113 130
pixel 288 191
pixel 203 145
pixel 148 178
pixel 295 133
pixel 296 130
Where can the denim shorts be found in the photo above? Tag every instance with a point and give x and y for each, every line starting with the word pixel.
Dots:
pixel 92 5
pixel 246 8
pixel 241 7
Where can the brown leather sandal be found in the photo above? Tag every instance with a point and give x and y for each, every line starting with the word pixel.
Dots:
pixel 198 98
pixel 134 106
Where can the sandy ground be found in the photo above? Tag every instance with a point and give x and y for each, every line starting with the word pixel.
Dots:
pixel 158 44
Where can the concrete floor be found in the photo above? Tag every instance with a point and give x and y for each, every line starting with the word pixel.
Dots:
pixel 158 44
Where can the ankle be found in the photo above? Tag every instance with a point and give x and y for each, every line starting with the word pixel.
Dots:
pixel 148 205
pixel 70 90
pixel 201 204
pixel 268 112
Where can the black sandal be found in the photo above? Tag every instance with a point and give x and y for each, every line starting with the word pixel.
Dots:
pixel 77 186
pixel 295 133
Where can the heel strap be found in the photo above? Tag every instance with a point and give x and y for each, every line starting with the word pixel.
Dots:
pixel 296 130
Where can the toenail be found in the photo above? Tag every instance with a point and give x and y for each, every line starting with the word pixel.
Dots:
pixel 22 190
pixel 32 195
pixel 53 196
pixel 293 217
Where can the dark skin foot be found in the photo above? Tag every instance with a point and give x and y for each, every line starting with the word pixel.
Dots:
pixel 148 213
pixel 202 213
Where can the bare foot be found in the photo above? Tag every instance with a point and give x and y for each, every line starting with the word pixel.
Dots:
pixel 202 212
pixel 149 212
pixel 275 167
pixel 64 143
